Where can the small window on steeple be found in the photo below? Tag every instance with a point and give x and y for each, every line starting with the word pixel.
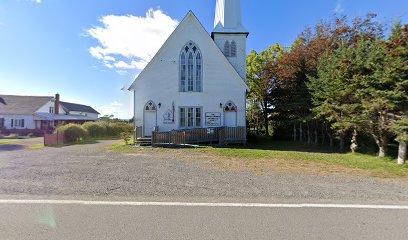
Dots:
pixel 227 48
pixel 233 49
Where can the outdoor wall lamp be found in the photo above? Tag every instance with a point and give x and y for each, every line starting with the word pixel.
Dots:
pixel 159 105
pixel 220 105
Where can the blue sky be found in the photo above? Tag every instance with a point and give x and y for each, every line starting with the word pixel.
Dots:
pixel 87 50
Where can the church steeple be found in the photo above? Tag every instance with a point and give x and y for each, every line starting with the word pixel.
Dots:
pixel 230 35
pixel 228 17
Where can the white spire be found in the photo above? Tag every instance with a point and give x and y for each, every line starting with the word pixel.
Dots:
pixel 228 16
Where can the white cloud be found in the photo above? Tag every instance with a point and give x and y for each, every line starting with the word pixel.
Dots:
pixel 132 65
pixel 130 42
pixel 122 72
pixel 36 1
pixel 116 104
pixel 117 109
pixel 339 7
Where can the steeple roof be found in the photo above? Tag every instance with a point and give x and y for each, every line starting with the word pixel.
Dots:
pixel 228 17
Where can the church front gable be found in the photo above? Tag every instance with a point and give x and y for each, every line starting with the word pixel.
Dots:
pixel 165 66
pixel 190 81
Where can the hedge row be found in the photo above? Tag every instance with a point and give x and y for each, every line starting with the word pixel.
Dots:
pixel 76 132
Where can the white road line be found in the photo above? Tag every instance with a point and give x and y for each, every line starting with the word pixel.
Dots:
pixel 192 204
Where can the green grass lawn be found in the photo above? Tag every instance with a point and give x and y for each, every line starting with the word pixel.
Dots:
pixel 295 152
pixel 122 147
pixel 10 141
pixel 36 146
pixel 292 155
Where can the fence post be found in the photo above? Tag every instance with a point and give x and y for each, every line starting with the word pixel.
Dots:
pixel 153 138
pixel 135 136
pixel 221 136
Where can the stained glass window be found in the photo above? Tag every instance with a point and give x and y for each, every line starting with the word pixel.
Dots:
pixel 191 69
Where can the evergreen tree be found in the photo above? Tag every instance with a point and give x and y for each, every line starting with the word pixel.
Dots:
pixel 397 69
pixel 334 92
pixel 401 128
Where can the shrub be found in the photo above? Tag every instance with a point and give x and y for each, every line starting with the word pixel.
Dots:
pixel 13 135
pixel 116 128
pixel 126 136
pixel 252 138
pixel 73 132
pixel 95 129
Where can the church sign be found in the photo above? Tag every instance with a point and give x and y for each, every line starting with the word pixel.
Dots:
pixel 213 119
pixel 168 117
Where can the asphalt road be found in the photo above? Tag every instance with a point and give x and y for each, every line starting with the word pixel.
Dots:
pixel 84 171
pixel 48 221
pixel 89 172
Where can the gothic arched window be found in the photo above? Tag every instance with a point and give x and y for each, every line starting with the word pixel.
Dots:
pixel 227 48
pixel 191 68
pixel 150 106
pixel 190 82
pixel 198 72
pixel 230 107
pixel 233 49
pixel 183 70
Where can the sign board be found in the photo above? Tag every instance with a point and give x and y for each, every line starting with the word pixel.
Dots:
pixel 168 117
pixel 213 119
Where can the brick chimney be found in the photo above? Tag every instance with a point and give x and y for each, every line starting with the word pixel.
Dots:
pixel 57 103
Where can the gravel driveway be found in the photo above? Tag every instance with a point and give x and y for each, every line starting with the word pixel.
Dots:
pixel 88 171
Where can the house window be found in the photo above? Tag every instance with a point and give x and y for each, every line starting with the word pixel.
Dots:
pixel 190 117
pixel 17 123
pixel 191 68
pixel 52 110
pixel 1 122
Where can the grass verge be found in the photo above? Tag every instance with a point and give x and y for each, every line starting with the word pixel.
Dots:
pixel 36 146
pixel 267 155
pixel 122 147
pixel 10 141
pixel 378 167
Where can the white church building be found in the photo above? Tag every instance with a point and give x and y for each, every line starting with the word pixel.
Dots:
pixel 196 80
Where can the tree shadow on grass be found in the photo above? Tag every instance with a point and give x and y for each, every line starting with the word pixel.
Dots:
pixel 74 144
pixel 265 143
pixel 268 143
pixel 11 147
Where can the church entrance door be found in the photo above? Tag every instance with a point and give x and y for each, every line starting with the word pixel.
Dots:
pixel 230 114
pixel 149 119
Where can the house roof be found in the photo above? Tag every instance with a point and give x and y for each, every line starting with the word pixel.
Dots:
pixel 191 17
pixel 61 117
pixel 22 105
pixel 74 107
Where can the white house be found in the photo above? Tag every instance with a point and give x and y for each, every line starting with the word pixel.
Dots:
pixel 40 113
pixel 196 80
